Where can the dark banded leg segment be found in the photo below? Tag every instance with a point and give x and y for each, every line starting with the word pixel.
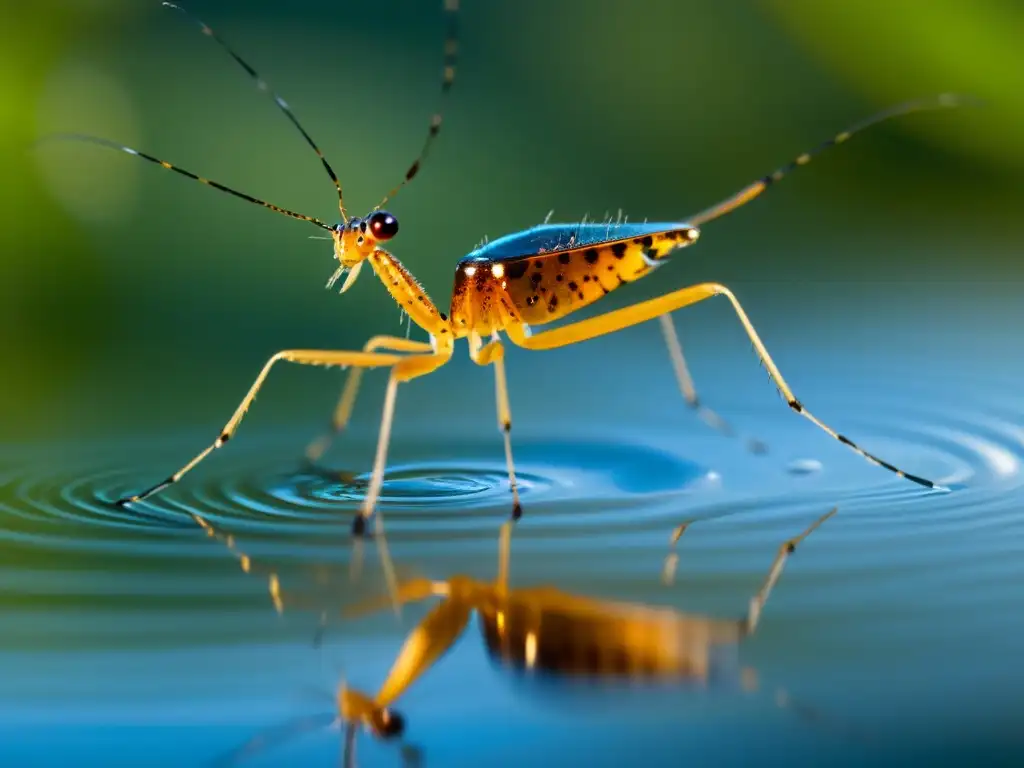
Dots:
pixel 661 305
pixel 299 356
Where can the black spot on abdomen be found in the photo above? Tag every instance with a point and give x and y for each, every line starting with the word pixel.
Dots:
pixel 516 269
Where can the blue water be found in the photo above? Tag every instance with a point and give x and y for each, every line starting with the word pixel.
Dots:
pixel 130 638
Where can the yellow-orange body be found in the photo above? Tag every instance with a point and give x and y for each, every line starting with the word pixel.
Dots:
pixel 530 278
pixel 526 279
pixel 545 629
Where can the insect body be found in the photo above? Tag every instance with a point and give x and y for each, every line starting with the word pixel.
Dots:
pixel 543 630
pixel 533 277
pixel 507 287
pixel 547 630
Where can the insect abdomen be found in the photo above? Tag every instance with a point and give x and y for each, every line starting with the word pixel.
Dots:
pixel 549 286
pixel 593 647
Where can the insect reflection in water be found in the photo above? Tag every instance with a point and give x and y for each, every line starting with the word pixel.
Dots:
pixel 545 630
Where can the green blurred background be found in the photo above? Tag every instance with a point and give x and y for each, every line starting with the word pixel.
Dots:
pixel 135 300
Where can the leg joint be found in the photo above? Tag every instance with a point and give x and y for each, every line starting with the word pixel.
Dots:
pixel 718 288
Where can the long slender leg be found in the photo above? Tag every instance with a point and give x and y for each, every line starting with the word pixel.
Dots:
pixel 758 601
pixel 347 401
pixel 668 571
pixel 348 755
pixel 411 590
pixel 299 356
pixel 504 556
pixel 689 391
pixel 370 499
pixel 788 548
pixel 652 308
pixel 407 369
pixel 808 714
pixel 275 737
pixel 246 562
pixel 494 354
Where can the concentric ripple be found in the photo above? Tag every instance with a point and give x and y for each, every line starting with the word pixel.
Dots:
pixel 251 493
pixel 137 611
pixel 575 485
pixel 586 498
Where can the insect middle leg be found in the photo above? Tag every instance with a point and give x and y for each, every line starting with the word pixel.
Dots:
pixel 493 353
pixel 652 308
pixel 350 391
pixel 689 391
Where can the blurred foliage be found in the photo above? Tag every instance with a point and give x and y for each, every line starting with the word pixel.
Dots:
pixel 934 46
pixel 51 311
pixel 135 297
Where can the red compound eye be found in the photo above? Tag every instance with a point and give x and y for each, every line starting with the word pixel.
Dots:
pixel 383 226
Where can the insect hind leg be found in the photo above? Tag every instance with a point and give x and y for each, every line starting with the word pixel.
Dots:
pixel 643 311
pixel 788 547
pixel 689 391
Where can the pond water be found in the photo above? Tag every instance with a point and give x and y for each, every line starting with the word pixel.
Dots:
pixel 129 638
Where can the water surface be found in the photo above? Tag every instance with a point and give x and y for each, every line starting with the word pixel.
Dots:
pixel 129 638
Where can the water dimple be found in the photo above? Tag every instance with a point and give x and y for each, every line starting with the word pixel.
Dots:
pixel 416 485
pixel 256 496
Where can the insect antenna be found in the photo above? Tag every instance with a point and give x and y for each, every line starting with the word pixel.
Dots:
pixel 751 191
pixel 202 180
pixel 451 56
pixel 265 87
pixel 276 736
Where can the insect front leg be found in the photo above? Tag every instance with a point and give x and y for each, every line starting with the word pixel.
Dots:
pixel 350 391
pixel 298 356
